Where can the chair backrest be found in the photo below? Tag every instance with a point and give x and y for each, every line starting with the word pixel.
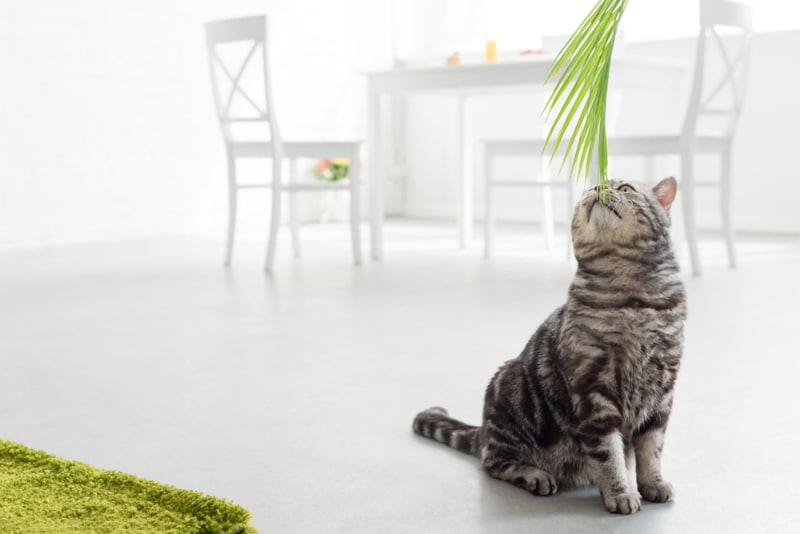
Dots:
pixel 719 95
pixel 237 54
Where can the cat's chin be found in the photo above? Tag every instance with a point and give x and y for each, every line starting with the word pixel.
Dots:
pixel 604 209
pixel 600 219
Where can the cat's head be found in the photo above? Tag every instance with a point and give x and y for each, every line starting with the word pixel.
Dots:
pixel 632 219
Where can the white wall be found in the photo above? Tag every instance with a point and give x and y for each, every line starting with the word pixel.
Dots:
pixel 766 175
pixel 107 127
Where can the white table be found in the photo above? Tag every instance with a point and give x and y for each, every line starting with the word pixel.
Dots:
pixel 626 71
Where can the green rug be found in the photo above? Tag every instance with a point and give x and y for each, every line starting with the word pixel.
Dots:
pixel 42 494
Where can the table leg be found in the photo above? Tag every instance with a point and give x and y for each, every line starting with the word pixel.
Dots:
pixel 464 173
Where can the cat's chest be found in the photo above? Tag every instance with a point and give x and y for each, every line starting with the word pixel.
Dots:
pixel 630 334
pixel 632 355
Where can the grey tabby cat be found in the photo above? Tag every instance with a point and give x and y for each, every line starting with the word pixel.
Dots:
pixel 592 391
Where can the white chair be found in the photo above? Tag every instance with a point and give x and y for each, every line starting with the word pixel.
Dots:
pixel 718 98
pixel 242 43
pixel 694 137
pixel 527 148
pixel 497 148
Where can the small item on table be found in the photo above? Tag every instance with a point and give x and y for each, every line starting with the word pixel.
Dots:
pixel 454 59
pixel 491 51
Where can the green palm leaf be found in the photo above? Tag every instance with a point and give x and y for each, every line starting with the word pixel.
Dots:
pixel 579 95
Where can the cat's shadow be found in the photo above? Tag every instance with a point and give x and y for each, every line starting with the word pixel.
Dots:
pixel 502 498
pixel 499 498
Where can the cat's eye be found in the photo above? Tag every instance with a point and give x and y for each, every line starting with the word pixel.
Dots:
pixel 625 188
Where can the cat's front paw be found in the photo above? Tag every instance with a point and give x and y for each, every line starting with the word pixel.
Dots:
pixel 623 503
pixel 656 491
pixel 538 482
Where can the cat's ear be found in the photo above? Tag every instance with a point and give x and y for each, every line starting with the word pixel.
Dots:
pixel 665 191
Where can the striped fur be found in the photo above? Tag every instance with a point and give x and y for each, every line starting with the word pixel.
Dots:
pixel 591 393
pixel 434 423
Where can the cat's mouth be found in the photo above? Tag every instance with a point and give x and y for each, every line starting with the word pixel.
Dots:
pixel 607 205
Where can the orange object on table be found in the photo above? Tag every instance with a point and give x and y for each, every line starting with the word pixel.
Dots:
pixel 454 59
pixel 491 51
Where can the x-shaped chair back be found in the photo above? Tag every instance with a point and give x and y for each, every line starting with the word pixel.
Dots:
pixel 720 95
pixel 240 74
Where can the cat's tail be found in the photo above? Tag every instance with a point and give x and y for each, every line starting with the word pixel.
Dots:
pixel 434 423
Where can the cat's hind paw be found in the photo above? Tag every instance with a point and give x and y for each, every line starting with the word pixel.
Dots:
pixel 623 503
pixel 657 491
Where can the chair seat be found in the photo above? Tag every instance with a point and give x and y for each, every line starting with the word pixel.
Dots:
pixel 513 147
pixel 296 149
pixel 537 182
pixel 663 144
pixel 317 186
pixel 617 146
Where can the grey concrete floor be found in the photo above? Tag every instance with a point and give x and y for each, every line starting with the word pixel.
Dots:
pixel 292 394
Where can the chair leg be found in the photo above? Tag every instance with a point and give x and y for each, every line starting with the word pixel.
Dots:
pixel 725 199
pixel 233 191
pixel 355 205
pixel 277 190
pixel 488 215
pixel 294 215
pixel 548 225
pixel 687 170
pixel 570 209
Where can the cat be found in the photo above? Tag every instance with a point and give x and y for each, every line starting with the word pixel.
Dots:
pixel 591 393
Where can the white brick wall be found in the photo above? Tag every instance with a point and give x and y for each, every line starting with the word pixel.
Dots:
pixel 107 128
